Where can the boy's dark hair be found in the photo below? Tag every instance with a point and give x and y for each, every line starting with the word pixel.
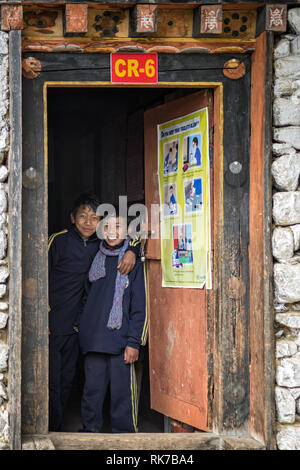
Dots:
pixel 86 199
pixel 195 139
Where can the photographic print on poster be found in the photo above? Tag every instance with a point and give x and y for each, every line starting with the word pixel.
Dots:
pixel 192 155
pixel 182 245
pixel 170 199
pixel 170 157
pixel 193 195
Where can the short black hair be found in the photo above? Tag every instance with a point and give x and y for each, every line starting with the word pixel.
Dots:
pixel 195 139
pixel 119 213
pixel 86 199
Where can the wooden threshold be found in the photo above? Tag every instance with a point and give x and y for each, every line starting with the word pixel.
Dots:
pixel 140 441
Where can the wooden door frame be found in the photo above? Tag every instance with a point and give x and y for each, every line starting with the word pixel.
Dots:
pixel 260 432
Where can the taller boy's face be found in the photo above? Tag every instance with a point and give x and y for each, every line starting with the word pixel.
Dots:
pixel 85 221
pixel 114 230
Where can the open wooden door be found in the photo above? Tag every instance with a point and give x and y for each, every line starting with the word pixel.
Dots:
pixel 177 316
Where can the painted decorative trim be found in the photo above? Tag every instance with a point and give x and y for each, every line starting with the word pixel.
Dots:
pixel 89 45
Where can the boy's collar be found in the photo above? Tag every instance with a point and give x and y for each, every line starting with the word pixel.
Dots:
pixel 112 248
pixel 92 237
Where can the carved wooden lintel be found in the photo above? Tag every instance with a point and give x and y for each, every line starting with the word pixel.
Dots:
pixel 11 17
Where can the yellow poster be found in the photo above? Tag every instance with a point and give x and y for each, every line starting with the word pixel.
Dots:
pixel 183 167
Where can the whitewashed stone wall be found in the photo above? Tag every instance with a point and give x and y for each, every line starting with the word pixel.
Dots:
pixel 286 233
pixel 4 148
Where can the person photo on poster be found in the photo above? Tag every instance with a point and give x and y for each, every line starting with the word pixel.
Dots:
pixel 191 151
pixel 171 157
pixel 193 197
pixel 170 199
pixel 182 245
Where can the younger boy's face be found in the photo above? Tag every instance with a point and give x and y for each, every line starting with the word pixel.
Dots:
pixel 114 230
pixel 85 221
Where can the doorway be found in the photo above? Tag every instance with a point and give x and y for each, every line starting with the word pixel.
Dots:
pixel 96 143
pixel 239 396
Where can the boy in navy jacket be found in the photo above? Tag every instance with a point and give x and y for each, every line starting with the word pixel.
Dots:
pixel 70 254
pixel 112 328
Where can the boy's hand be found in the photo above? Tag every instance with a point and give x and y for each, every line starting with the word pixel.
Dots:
pixel 127 263
pixel 130 355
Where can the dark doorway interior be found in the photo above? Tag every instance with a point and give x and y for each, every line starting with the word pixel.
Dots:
pixel 95 143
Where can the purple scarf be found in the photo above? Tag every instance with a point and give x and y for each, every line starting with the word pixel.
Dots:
pixel 97 271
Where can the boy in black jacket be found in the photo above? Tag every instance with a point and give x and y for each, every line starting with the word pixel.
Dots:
pixel 70 255
pixel 112 327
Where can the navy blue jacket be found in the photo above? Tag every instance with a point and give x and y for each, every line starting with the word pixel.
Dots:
pixel 69 260
pixel 94 336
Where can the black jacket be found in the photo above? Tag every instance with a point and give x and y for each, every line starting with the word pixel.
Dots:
pixel 69 260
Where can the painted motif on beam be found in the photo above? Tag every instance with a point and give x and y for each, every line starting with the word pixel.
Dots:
pixel 38 23
pixel 146 18
pixel 114 23
pixel 276 18
pixel 31 67
pixel 211 19
pixel 108 23
pixel 239 24
pixel 234 69
pixel 11 17
pixel 76 18
pixel 174 23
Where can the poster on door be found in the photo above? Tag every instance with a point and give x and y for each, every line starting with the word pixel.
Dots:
pixel 184 187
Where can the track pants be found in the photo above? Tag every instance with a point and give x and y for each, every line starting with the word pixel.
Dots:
pixel 100 371
pixel 63 356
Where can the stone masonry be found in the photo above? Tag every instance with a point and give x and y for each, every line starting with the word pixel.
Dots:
pixel 4 155
pixel 286 232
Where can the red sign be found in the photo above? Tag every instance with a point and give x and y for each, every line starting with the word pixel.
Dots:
pixel 133 68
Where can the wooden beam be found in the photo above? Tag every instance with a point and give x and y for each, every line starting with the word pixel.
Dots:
pixel 11 17
pixel 15 238
pixel 148 441
pixel 262 355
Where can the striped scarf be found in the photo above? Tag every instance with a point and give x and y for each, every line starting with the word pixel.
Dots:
pixel 97 271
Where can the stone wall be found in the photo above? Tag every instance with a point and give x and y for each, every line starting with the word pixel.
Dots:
pixel 286 233
pixel 4 152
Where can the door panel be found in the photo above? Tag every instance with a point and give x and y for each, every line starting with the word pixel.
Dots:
pixel 177 317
